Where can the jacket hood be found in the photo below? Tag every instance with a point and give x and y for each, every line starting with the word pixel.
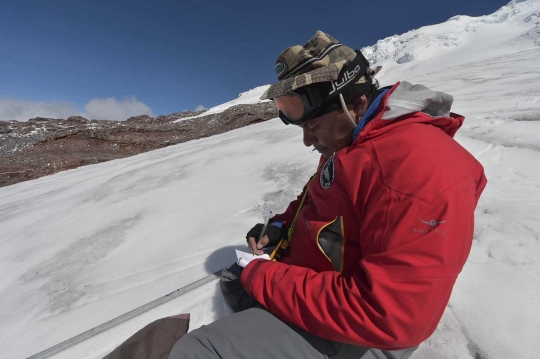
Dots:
pixel 405 103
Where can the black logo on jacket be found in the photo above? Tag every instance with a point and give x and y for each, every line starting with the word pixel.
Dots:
pixel 327 173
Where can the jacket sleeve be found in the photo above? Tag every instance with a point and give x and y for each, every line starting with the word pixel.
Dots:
pixel 397 296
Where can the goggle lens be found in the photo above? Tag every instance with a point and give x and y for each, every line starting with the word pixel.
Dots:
pixel 295 110
pixel 291 106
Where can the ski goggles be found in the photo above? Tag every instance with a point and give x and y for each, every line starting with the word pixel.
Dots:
pixel 312 101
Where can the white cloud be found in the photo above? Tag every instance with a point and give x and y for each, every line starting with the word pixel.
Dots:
pixel 200 108
pixel 101 109
pixel 117 110
pixel 24 110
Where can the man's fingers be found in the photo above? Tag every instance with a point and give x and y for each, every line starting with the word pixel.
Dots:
pixel 252 243
pixel 263 242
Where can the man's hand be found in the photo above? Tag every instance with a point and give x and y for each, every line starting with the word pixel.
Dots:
pixel 271 237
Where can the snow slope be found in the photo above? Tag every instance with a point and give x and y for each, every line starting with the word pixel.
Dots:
pixel 83 246
pixel 462 39
pixel 245 98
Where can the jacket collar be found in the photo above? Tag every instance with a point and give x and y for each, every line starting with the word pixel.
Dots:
pixel 403 104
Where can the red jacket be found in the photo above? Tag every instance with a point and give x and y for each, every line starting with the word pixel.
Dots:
pixel 374 256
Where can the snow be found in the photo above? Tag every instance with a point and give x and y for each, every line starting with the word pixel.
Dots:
pixel 84 246
pixel 460 40
pixel 245 98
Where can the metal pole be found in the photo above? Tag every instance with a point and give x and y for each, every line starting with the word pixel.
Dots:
pixel 124 317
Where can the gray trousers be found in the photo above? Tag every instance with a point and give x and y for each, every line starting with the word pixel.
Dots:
pixel 253 332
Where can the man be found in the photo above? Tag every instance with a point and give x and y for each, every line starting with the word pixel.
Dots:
pixel 375 242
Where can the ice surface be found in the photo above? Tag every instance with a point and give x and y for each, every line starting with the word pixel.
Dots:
pixel 83 246
pixel 245 98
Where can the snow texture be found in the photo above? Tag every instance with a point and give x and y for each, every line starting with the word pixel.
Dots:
pixel 245 98
pixel 83 246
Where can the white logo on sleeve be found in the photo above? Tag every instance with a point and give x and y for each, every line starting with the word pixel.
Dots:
pixel 432 223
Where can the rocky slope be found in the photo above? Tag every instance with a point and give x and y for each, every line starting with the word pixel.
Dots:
pixel 43 146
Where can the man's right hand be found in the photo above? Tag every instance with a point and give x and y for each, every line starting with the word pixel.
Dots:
pixel 271 237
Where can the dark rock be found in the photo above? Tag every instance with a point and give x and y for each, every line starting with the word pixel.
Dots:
pixel 78 119
pixel 142 119
pixel 43 119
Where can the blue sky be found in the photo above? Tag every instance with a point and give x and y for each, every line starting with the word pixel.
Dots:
pixel 169 56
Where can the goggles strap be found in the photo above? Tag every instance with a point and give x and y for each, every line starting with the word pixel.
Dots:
pixel 344 106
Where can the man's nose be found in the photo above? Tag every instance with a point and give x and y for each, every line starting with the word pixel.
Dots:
pixel 309 138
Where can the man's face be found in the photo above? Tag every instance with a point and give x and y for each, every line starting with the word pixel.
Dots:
pixel 328 133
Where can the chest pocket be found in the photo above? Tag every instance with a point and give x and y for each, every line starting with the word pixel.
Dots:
pixel 331 242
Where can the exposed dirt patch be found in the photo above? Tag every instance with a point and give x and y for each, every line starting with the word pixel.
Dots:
pixel 43 146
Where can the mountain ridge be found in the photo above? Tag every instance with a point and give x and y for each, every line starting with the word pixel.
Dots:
pixel 522 19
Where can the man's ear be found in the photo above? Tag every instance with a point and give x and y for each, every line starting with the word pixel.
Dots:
pixel 360 106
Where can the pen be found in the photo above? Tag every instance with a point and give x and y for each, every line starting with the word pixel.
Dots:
pixel 262 231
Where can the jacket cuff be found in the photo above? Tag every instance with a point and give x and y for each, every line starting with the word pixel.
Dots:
pixel 278 224
pixel 249 273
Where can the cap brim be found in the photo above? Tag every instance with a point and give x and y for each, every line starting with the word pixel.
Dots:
pixel 323 74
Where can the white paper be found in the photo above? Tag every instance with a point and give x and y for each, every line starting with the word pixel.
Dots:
pixel 244 258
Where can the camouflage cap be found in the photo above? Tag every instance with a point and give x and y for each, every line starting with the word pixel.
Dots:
pixel 319 60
